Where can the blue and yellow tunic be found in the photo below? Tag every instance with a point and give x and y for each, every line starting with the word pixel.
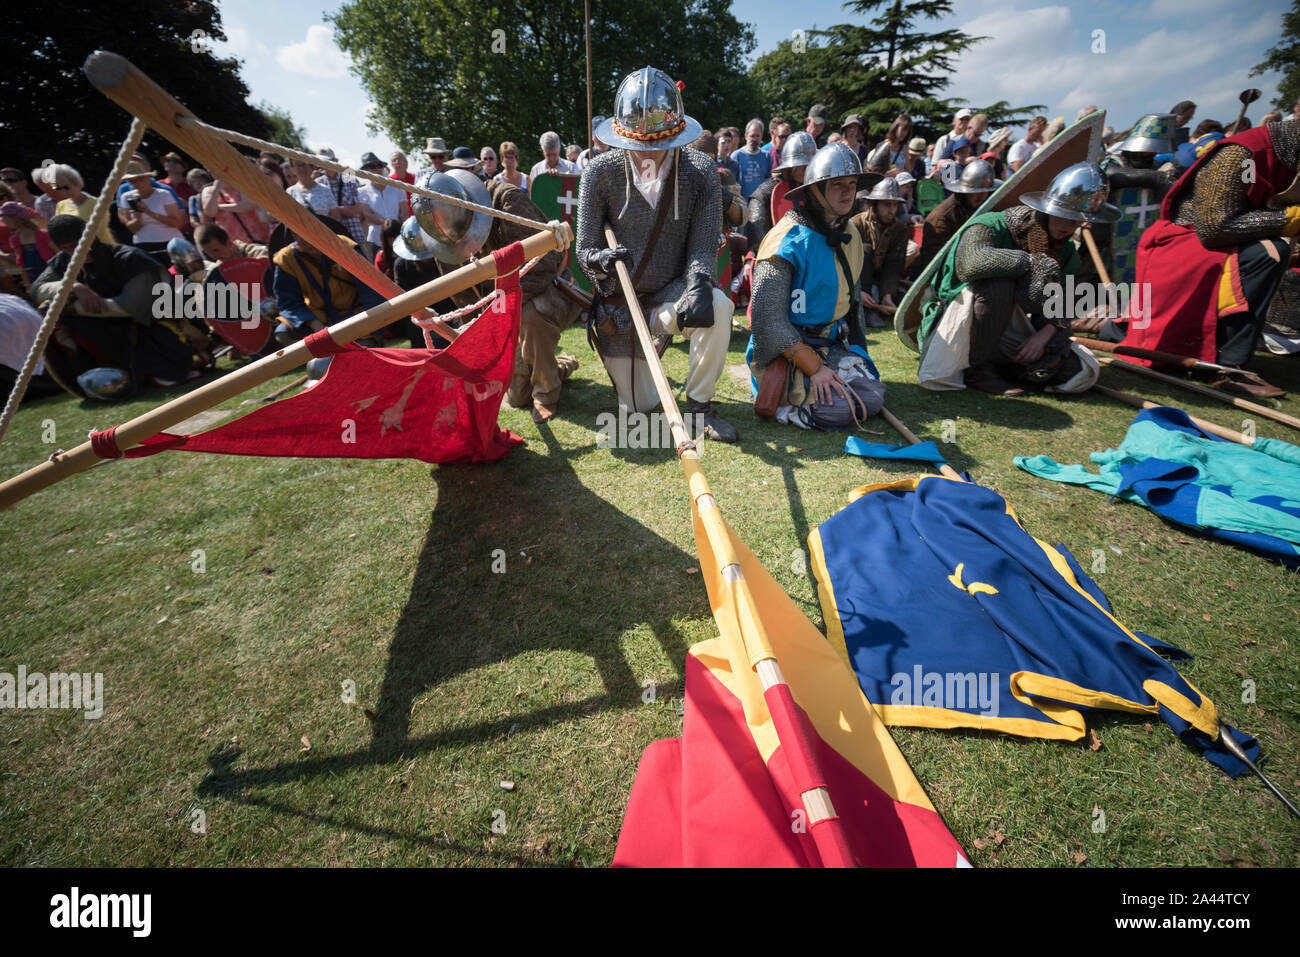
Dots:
pixel 821 296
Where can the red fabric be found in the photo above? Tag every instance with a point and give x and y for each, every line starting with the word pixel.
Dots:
pixel 780 205
pixel 406 203
pixel 104 444
pixel 1184 276
pixel 433 405
pixel 44 248
pixel 706 799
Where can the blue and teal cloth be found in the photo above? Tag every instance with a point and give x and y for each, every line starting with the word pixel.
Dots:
pixel 951 615
pixel 1246 495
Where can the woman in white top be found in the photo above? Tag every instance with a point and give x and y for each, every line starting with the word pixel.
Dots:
pixel 510 167
pixel 152 215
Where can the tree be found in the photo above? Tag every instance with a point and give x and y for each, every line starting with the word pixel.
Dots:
pixel 283 129
pixel 476 74
pixel 61 117
pixel 879 70
pixel 1285 58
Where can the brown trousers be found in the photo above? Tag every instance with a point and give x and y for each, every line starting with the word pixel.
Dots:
pixel 541 320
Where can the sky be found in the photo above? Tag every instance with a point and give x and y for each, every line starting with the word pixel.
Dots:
pixel 1127 58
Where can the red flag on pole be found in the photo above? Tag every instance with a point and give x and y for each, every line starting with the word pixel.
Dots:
pixel 433 405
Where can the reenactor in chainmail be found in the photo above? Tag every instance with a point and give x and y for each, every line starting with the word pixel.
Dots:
pixel 1217 253
pixel 662 200
pixel 968 187
pixel 808 351
pixel 884 246
pixel 796 154
pixel 1017 259
pixel 1131 166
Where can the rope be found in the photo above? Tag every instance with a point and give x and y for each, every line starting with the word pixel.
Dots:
pixel 324 163
pixel 427 324
pixel 98 216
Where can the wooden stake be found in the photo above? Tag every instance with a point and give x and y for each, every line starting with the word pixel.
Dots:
pixel 130 88
pixel 1202 390
pixel 944 469
pixel 1096 255
pixel 263 370
pixel 1140 403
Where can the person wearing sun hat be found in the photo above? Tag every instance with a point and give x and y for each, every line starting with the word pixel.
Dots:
pixel 662 200
pixel 998 313
pixel 807 355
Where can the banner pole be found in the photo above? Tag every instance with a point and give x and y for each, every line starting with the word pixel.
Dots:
pixel 132 433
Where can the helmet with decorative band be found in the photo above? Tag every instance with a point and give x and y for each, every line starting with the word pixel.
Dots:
pixel 648 114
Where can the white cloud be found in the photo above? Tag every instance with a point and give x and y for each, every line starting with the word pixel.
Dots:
pixel 1044 55
pixel 240 43
pixel 316 56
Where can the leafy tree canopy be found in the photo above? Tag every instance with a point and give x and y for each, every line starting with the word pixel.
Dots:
pixel 476 74
pixel 54 113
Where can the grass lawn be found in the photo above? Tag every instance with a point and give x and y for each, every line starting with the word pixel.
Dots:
pixel 224 689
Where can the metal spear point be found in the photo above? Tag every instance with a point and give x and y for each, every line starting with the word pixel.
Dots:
pixel 1231 744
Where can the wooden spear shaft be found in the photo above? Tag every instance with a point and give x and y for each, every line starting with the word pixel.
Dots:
pixel 1206 391
pixel 1096 255
pixel 1140 403
pixel 944 468
pixel 263 370
pixel 824 822
pixel 130 88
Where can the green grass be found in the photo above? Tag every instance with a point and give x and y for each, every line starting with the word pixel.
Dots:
pixel 325 571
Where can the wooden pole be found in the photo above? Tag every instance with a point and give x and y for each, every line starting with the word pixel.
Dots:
pixel 824 823
pixel 1140 403
pixel 944 468
pixel 586 27
pixel 1096 255
pixel 98 217
pixel 1155 355
pixel 130 88
pixel 1206 391
pixel 132 433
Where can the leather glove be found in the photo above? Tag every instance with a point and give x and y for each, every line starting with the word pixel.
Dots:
pixel 600 262
pixel 695 308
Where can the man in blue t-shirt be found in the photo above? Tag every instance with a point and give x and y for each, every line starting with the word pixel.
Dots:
pixel 753 164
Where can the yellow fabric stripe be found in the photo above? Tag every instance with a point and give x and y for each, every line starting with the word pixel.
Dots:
pixel 1292 226
pixel 768 247
pixel 1227 301
pixel 826 595
pixel 818 679
pixel 854 251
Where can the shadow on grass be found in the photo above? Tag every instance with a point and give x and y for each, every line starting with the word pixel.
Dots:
pixel 460 616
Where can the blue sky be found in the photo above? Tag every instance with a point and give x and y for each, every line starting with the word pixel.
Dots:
pixel 1156 53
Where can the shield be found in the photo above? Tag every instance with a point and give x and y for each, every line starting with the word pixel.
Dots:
pixel 1141 208
pixel 239 277
pixel 1075 144
pixel 557 198
pixel 780 205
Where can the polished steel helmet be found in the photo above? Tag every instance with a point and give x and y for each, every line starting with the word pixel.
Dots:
pixel 648 114
pixel 975 177
pixel 1154 133
pixel 412 242
pixel 835 161
pixel 886 190
pixel 456 232
pixel 106 383
pixel 798 150
pixel 1078 192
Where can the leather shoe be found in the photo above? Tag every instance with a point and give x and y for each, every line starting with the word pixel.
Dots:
pixel 706 423
pixel 985 378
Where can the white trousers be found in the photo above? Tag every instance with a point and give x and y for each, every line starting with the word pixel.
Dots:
pixel 708 357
